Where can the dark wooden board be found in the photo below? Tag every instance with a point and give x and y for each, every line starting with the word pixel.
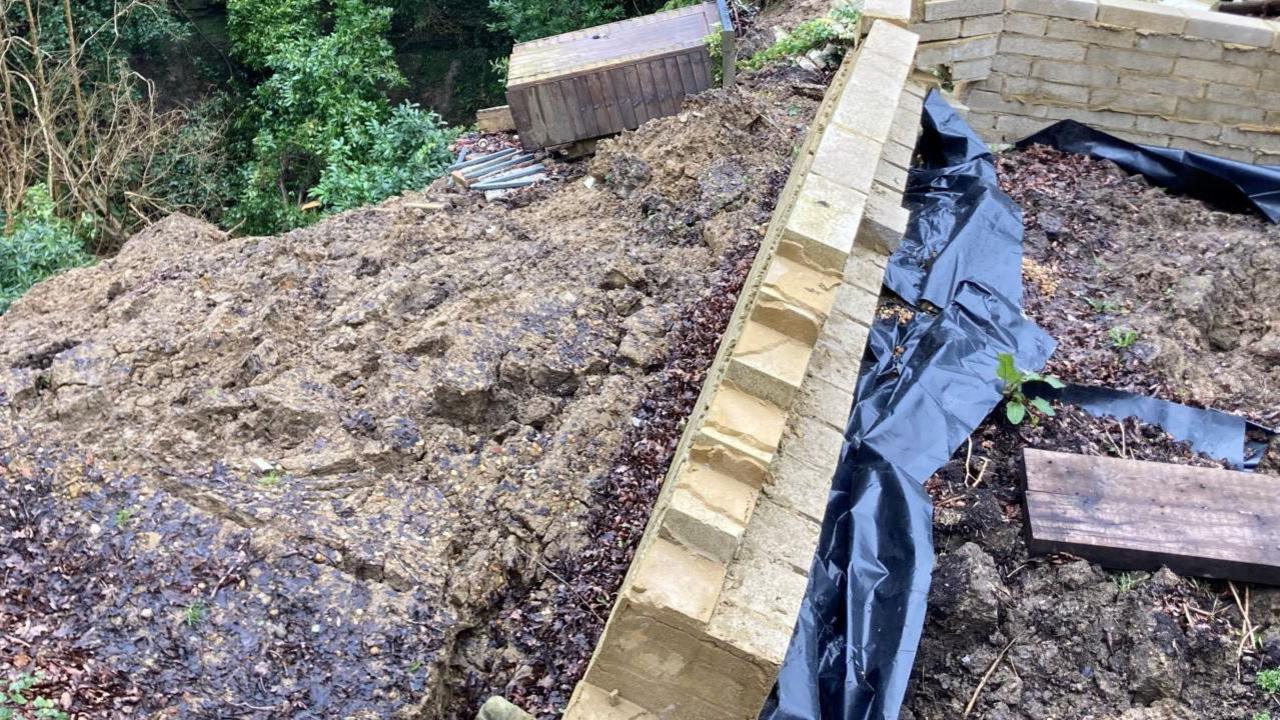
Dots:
pixel 1131 514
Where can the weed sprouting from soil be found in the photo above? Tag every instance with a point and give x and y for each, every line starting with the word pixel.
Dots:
pixel 15 703
pixel 1122 338
pixel 1017 403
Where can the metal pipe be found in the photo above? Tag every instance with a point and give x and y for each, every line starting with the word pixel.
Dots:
pixel 512 174
pixel 508 184
pixel 482 170
pixel 482 159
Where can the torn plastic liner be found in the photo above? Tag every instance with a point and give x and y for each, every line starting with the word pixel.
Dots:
pixel 1228 183
pixel 925 387
pixel 927 384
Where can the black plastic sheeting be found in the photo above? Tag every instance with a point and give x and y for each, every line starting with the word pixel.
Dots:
pixel 1228 183
pixel 925 386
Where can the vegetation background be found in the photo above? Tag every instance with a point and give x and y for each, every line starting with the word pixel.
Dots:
pixel 257 115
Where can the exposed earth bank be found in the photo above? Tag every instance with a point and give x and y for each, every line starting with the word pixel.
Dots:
pixel 299 476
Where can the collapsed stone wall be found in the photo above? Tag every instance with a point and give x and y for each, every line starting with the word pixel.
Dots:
pixel 705 615
pixel 1149 73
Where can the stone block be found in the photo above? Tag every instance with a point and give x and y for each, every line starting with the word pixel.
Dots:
pixel 1076 9
pixel 825 220
pixel 946 9
pixel 857 303
pixel 1074 73
pixel 1024 24
pixel 1236 95
pixel 968 70
pixel 846 158
pixel 1130 101
pixel 1179 87
pixel 1175 46
pixel 669 577
pixel 1010 64
pixel 982 25
pixel 812 288
pixel 890 175
pixel 995 102
pixel 1042 47
pixel 1032 89
pixel 882 227
pixel 654 663
pixel 1216 72
pixel 1147 16
pixel 892 42
pixel 768 364
pixel 897 12
pixel 1177 129
pixel 898 155
pixel 1210 111
pixel 1226 151
pixel 823 401
pixel 592 703
pixel 949 51
pixel 705 530
pixel 811 440
pixel 736 412
pixel 1110 121
pixel 1089 32
pixel 1235 29
pixel 1129 60
pixel 1251 139
pixel 1013 127
pixel 938 30
pixel 797 485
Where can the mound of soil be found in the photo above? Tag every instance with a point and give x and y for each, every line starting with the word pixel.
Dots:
pixel 300 476
pixel 1011 636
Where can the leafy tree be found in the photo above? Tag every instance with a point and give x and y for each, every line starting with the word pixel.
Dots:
pixel 322 112
pixel 529 19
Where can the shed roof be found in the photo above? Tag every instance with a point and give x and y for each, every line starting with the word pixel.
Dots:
pixel 613 44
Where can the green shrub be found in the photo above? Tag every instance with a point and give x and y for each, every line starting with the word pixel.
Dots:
pixel 1269 681
pixel 840 26
pixel 40 245
pixel 384 158
pixel 530 19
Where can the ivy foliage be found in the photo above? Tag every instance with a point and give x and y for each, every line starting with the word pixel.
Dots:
pixel 322 127
pixel 40 245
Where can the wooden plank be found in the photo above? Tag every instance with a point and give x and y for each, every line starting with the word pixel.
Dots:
pixel 1133 514
pixel 650 107
pixel 687 80
pixel 620 87
pixel 561 124
pixel 605 124
pixel 636 98
pixel 702 68
pixel 496 119
pixel 578 95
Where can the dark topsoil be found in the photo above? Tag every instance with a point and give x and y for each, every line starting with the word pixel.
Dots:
pixel 1060 637
pixel 468 411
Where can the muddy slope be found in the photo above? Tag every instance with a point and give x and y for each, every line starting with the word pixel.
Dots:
pixel 310 463
pixel 1057 637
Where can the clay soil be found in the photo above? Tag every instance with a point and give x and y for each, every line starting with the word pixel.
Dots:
pixel 1059 637
pixel 383 466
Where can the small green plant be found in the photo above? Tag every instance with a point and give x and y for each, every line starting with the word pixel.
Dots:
pixel 1104 306
pixel 1127 581
pixel 1269 680
pixel 840 26
pixel 1262 715
pixel 270 480
pixel 16 705
pixel 123 516
pixel 1122 338
pixel 193 613
pixel 1016 402
pixel 415 666
pixel 715 49
pixel 677 4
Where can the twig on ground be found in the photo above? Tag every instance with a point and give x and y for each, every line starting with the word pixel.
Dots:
pixel 973 699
